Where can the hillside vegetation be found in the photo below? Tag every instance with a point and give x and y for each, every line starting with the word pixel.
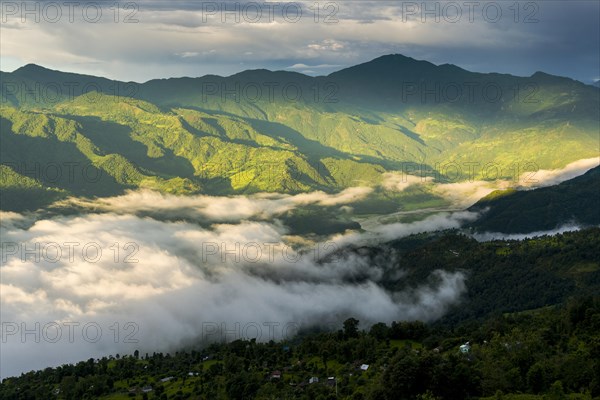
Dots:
pixel 573 202
pixel 286 132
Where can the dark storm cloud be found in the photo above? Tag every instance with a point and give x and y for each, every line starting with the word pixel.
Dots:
pixel 193 38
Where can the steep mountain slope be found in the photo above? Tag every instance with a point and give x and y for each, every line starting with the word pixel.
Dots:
pixel 281 131
pixel 106 146
pixel 574 201
pixel 396 109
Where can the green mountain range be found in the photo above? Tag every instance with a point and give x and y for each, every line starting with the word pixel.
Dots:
pixel 69 134
pixel 576 201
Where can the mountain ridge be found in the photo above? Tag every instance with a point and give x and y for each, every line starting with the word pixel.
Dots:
pixel 393 57
pixel 575 201
pixel 283 131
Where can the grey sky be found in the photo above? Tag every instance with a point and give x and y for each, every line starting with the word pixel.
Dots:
pixel 160 39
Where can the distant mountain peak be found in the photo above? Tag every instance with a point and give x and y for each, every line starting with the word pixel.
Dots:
pixel 387 65
pixel 31 67
pixel 540 74
pixel 398 59
pixel 394 56
pixel 39 73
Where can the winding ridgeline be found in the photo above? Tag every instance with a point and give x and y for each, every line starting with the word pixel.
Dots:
pixel 68 134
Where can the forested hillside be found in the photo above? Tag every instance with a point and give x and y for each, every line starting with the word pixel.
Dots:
pixel 573 202
pixel 264 131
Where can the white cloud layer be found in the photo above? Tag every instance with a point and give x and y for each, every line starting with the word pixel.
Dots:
pixel 465 193
pixel 489 236
pixel 549 177
pixel 152 282
pixel 260 206
pixel 163 284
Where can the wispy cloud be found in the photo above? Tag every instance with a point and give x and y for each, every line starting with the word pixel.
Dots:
pixel 489 236
pixel 549 177
pixel 465 193
pixel 188 54
pixel 171 279
pixel 320 66
pixel 214 208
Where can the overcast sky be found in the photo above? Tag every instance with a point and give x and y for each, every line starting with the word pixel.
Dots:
pixel 160 39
